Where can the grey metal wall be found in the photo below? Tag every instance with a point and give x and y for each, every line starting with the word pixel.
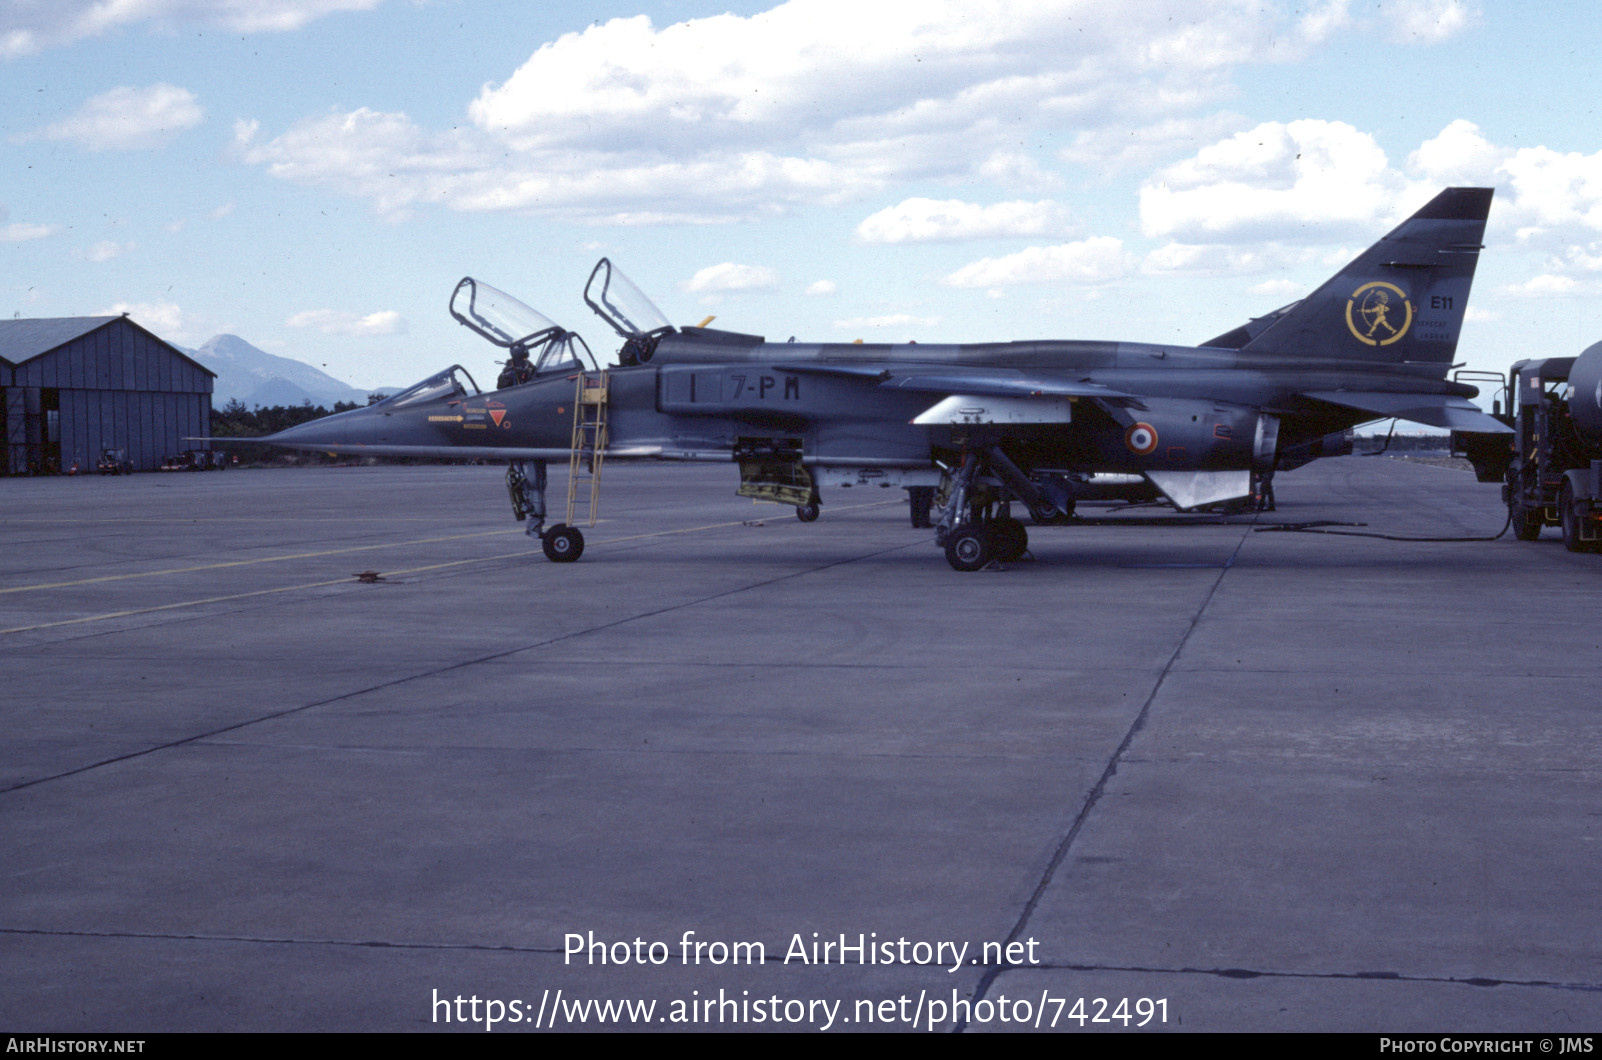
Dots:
pixel 151 426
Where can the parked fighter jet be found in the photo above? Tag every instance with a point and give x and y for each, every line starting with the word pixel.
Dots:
pixel 1045 424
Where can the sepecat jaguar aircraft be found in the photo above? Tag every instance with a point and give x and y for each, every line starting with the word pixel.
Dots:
pixel 967 429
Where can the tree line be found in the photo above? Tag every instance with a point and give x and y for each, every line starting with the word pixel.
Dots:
pixel 234 420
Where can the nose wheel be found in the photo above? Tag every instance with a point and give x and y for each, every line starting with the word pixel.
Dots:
pixel 526 482
pixel 562 543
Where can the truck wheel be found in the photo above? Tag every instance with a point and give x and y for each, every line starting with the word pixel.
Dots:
pixel 1569 511
pixel 1526 523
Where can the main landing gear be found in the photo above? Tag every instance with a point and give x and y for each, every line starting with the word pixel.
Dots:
pixel 976 526
pixel 525 483
pixel 1000 539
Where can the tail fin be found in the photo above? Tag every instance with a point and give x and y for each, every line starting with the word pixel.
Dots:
pixel 1402 300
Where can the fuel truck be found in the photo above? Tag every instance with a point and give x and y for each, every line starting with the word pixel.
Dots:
pixel 1552 474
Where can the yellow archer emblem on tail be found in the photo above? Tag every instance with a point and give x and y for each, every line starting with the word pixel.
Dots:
pixel 1383 313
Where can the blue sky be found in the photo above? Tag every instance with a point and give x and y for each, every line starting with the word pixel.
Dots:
pixel 316 175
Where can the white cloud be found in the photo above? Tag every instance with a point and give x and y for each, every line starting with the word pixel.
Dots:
pixel 397 165
pixel 1118 149
pixel 1014 169
pixel 731 277
pixel 1554 190
pixel 1308 179
pixel 822 288
pixel 127 119
pixel 334 322
pixel 105 250
pixel 162 318
pixel 811 102
pixel 21 232
pixel 27 28
pixel 1458 156
pixel 1322 20
pixel 1587 258
pixel 1089 261
pixel 1544 286
pixel 921 220
pixel 1212 259
pixel 1427 21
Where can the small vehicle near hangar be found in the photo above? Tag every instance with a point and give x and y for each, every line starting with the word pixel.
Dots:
pixel 114 462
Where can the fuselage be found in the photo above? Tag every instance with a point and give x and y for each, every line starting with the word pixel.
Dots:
pixel 704 393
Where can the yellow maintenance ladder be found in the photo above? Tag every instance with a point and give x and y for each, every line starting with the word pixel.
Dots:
pixel 589 441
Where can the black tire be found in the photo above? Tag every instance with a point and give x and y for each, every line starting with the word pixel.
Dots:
pixel 563 543
pixel 807 513
pixel 1009 540
pixel 1526 522
pixel 969 548
pixel 919 500
pixel 1044 517
pixel 1570 518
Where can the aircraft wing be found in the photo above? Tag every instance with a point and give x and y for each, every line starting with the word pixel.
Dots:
pixel 1432 410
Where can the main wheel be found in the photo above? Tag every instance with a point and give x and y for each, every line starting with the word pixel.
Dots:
pixel 1009 539
pixel 1052 517
pixel 563 543
pixel 807 513
pixel 969 548
pixel 919 500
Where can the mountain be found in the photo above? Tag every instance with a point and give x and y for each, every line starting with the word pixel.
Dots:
pixel 256 377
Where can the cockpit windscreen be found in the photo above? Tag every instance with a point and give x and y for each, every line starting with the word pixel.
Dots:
pixel 617 301
pixel 452 382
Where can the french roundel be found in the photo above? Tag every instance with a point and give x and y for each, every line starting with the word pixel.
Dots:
pixel 1141 439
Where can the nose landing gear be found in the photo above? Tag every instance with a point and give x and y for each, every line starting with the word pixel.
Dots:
pixel 525 483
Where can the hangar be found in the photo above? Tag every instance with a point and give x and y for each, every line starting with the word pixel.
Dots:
pixel 72 386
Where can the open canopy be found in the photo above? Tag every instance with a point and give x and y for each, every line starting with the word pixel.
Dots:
pixel 498 316
pixel 617 301
pixel 513 325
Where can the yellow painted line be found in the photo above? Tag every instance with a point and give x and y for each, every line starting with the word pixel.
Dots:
pixel 250 562
pixel 169 607
pixel 347 581
pixel 719 526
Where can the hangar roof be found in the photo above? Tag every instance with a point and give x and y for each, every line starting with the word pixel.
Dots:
pixel 24 339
